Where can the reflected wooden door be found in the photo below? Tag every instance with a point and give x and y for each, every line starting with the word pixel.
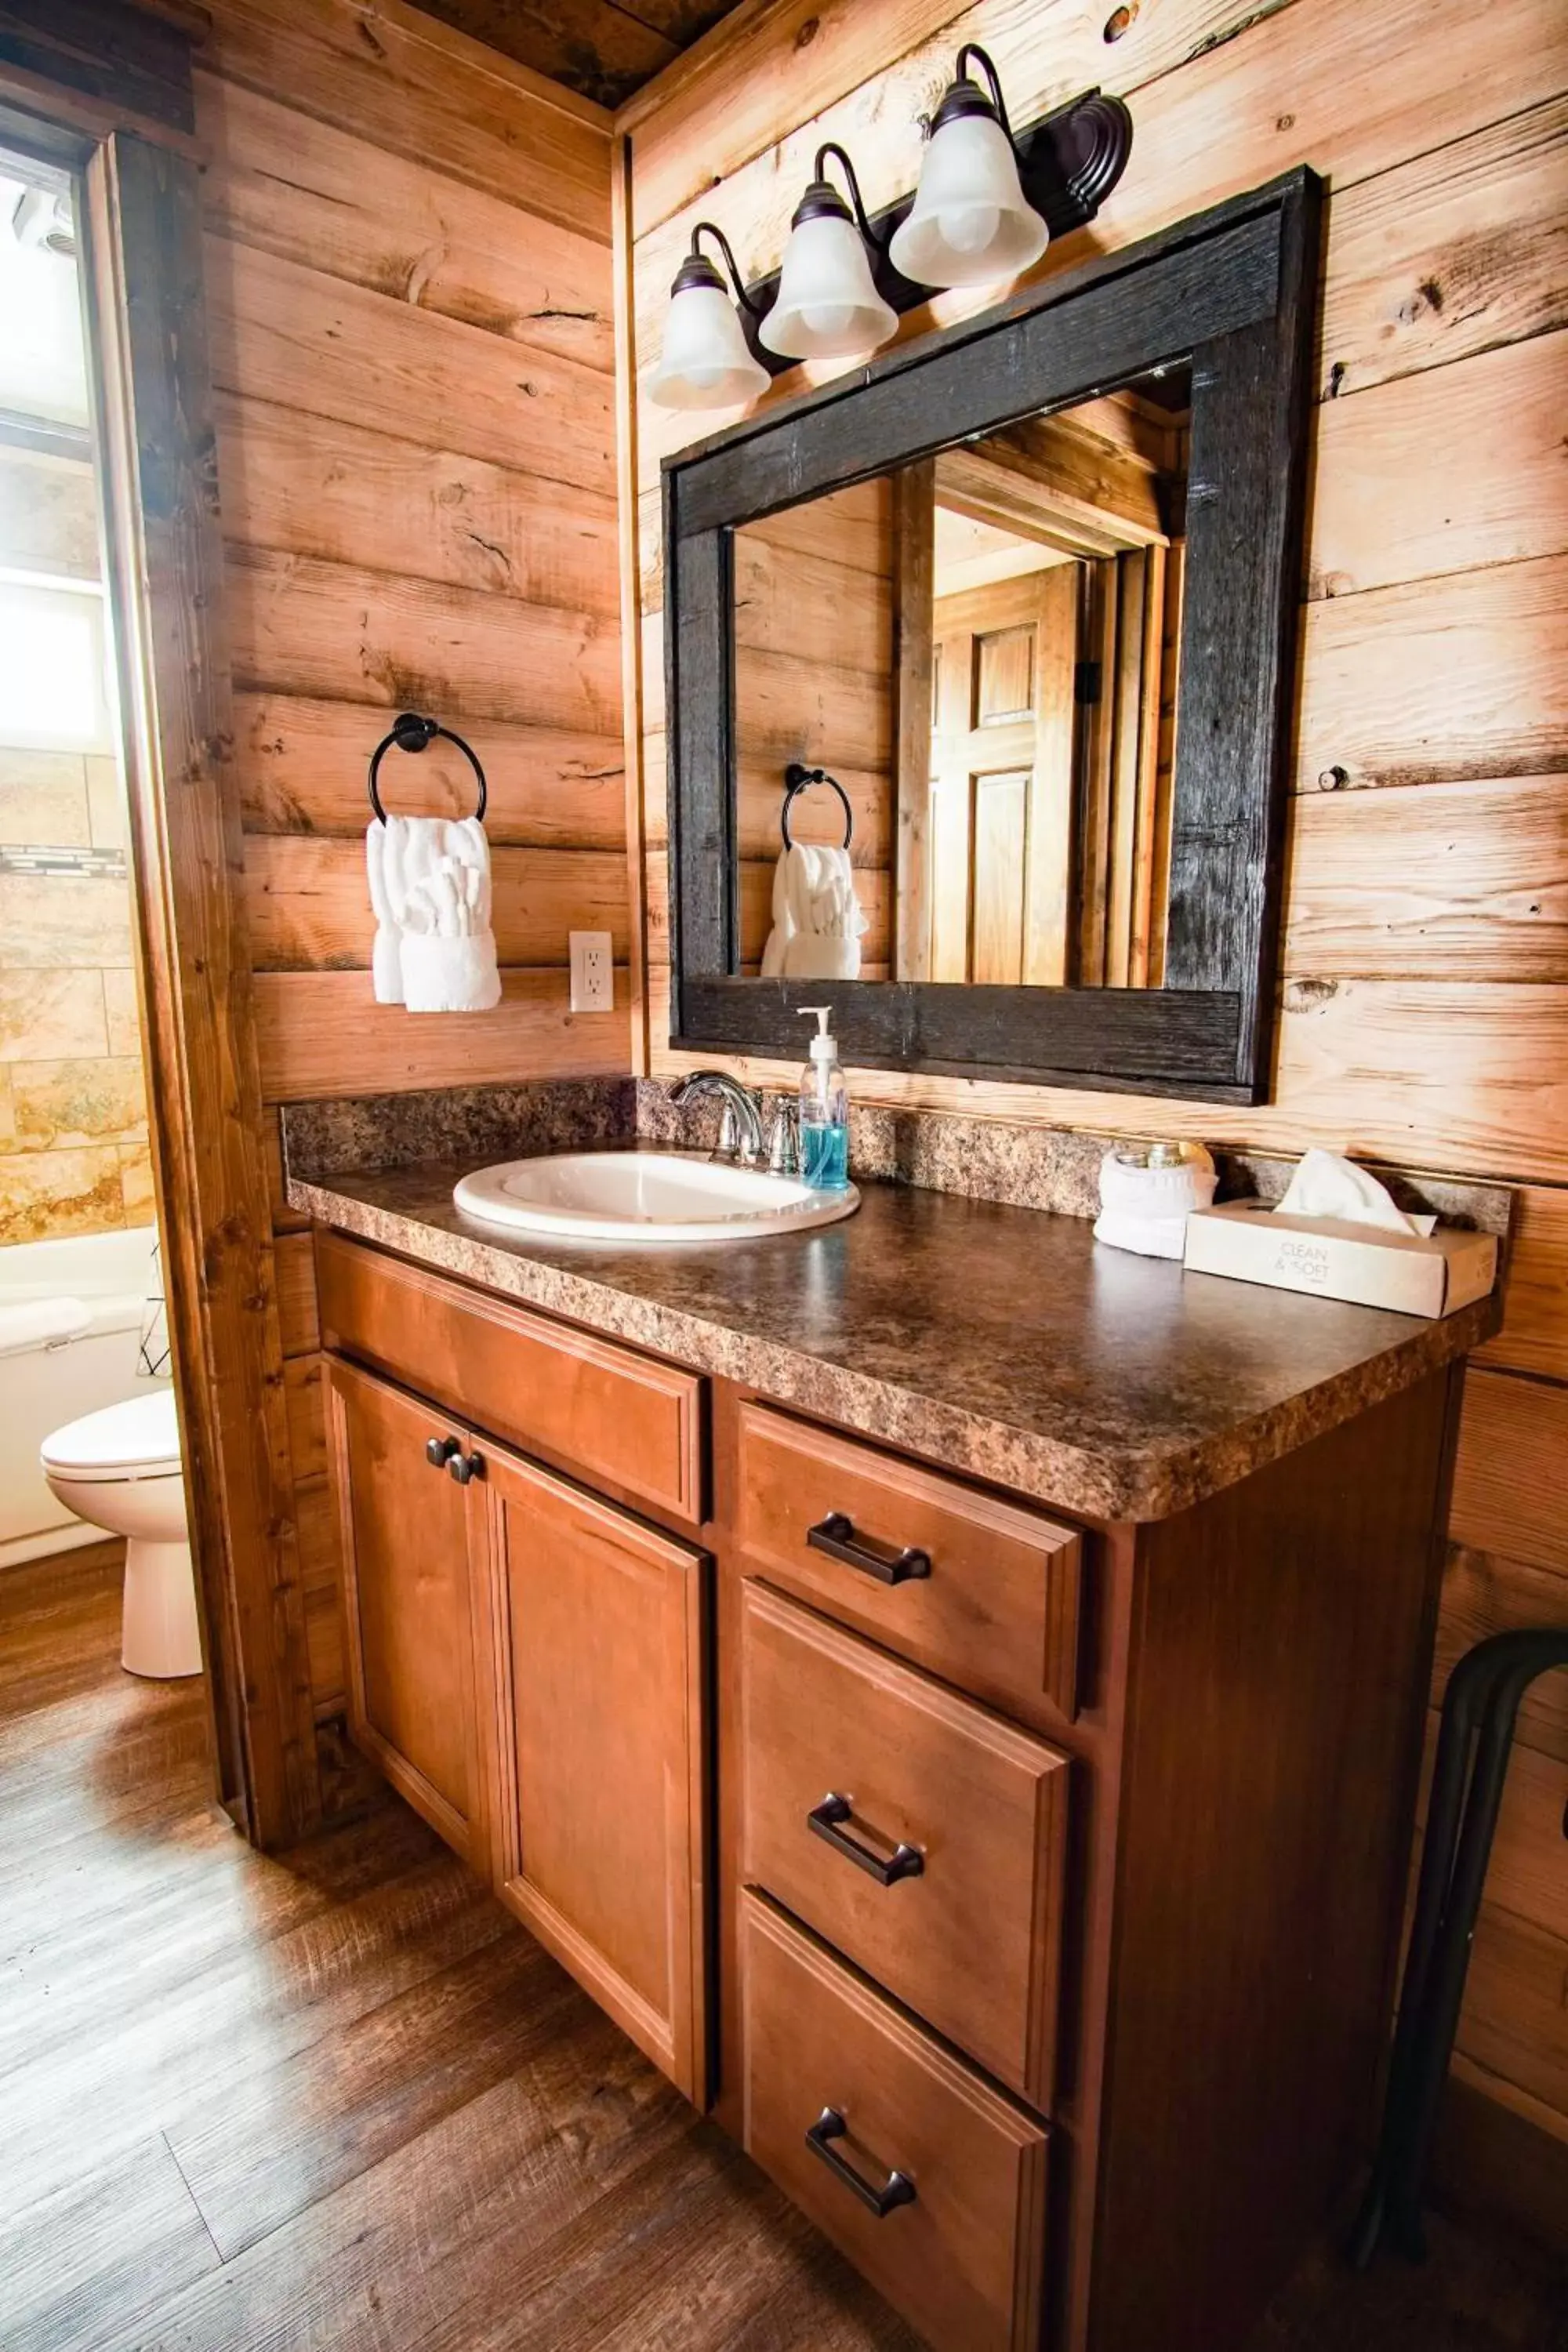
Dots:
pixel 1003 780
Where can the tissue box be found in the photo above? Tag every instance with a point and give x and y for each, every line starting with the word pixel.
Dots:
pixel 1336 1259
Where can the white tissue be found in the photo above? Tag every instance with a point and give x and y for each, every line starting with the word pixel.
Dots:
pixel 1326 1185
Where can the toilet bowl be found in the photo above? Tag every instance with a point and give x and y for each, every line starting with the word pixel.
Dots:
pixel 120 1469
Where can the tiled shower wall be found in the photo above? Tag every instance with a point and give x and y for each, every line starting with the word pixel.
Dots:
pixel 73 1109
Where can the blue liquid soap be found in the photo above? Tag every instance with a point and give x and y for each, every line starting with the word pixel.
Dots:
pixel 825 1157
pixel 824 1111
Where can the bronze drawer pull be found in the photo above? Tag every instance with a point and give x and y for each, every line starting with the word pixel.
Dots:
pixel 824 1819
pixel 464 1466
pixel 897 2190
pixel 439 1451
pixel 836 1536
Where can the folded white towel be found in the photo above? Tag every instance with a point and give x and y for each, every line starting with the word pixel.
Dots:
pixel 430 888
pixel 817 921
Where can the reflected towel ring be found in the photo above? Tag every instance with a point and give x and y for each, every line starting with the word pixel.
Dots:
pixel 410 732
pixel 798 780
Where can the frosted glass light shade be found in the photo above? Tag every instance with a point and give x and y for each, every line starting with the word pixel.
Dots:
pixel 827 306
pixel 705 362
pixel 971 223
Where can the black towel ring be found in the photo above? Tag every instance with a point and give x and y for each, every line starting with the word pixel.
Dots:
pixel 797 780
pixel 412 733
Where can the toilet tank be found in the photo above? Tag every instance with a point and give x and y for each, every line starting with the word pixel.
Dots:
pixel 72 1314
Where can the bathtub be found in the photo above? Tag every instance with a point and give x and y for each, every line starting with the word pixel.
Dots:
pixel 70 1321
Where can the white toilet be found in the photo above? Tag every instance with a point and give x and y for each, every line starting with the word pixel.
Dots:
pixel 120 1469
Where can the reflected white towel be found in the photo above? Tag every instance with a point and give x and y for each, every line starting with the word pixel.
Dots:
pixel 430 888
pixel 817 921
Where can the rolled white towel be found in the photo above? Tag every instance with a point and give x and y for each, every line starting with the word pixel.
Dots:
pixel 819 923
pixel 430 886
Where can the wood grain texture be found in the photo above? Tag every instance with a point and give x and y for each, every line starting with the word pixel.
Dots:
pixel 309 910
pixel 634 1425
pixel 1534 1336
pixel 1508 1489
pixel 968 2264
pixel 478 119
pixel 362 210
pixel 973 1943
pixel 1456 251
pixel 165 564
pixel 599 1627
pixel 311 486
pixel 329 631
pixel 413 1610
pixel 1431 882
pixel 1375 520
pixel 320 1033
pixel 283 332
pixel 302 764
pixel 1000 1613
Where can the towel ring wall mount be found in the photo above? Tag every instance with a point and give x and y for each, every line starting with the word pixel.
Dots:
pixel 411 732
pixel 799 778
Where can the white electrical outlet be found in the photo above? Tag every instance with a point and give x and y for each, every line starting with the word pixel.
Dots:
pixel 592 972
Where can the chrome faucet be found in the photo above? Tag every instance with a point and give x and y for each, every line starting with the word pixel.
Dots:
pixel 741 1128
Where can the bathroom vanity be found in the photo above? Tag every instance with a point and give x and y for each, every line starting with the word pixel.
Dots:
pixel 953 1694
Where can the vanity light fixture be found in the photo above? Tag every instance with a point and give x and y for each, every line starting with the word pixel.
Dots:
pixel 971 223
pixel 827 306
pixel 705 362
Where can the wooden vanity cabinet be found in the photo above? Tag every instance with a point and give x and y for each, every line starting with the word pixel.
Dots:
pixel 1045 1939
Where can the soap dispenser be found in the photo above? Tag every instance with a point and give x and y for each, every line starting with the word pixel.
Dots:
pixel 824 1109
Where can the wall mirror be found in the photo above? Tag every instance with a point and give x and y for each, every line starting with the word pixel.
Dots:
pixel 996 638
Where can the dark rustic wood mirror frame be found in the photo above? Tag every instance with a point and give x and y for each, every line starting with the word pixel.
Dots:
pixel 1232 291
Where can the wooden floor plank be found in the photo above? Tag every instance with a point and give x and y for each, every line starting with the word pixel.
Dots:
pixel 118 2240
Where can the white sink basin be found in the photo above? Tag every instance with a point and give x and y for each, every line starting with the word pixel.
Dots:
pixel 647 1196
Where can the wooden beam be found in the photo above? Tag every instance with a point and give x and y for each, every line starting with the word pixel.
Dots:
pixel 308 904
pixel 302 761
pixel 1376 520
pixel 1480 687
pixel 481 118
pixel 1431 881
pixel 1508 1484
pixel 319 1033
pixel 285 333
pixel 167 565
pixel 387 219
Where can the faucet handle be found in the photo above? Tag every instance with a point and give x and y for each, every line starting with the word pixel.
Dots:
pixel 729 1144
pixel 784 1146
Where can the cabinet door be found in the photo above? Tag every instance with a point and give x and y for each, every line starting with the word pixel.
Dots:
pixel 410 1618
pixel 600 1814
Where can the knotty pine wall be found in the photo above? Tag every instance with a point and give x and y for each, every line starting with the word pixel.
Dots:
pixel 1425 1002
pixel 408 283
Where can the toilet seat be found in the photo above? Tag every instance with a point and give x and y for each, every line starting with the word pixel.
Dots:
pixel 138 1439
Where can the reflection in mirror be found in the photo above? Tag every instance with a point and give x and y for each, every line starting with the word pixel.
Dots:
pixel 981 649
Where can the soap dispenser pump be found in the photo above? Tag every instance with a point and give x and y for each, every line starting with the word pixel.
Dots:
pixel 824 1109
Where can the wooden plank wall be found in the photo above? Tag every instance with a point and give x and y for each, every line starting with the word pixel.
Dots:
pixel 1424 997
pixel 408 276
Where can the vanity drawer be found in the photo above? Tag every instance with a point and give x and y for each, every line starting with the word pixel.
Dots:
pixel 964 2258
pixel 624 1419
pixel 997 1607
pixel 938 1867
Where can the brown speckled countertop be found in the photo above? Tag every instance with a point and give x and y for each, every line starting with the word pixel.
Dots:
pixel 1001 1341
